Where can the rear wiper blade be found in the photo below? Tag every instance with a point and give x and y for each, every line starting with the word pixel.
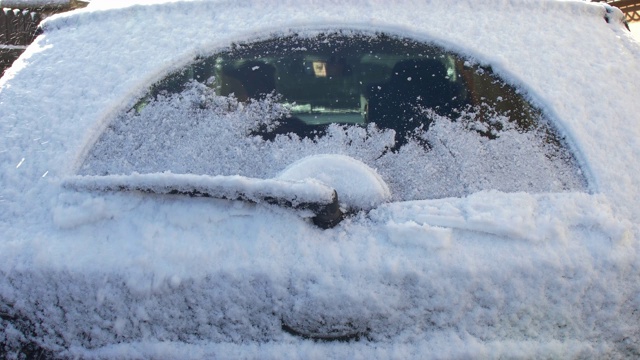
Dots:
pixel 308 194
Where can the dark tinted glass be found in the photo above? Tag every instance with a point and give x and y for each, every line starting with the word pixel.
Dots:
pixel 358 79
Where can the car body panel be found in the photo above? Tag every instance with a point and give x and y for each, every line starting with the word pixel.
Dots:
pixel 458 276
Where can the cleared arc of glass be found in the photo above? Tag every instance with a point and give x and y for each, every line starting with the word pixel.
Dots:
pixel 432 123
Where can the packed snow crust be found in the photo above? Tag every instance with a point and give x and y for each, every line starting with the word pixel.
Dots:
pixel 305 190
pixel 492 274
pixel 360 187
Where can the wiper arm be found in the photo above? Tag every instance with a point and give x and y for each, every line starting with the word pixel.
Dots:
pixel 309 194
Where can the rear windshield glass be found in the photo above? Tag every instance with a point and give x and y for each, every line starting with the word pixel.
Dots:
pixel 433 124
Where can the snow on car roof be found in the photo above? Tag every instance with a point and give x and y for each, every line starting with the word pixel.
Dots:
pixel 435 257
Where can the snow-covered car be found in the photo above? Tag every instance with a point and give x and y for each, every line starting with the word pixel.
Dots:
pixel 199 179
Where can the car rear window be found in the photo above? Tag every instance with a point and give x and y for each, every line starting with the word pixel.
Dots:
pixel 432 123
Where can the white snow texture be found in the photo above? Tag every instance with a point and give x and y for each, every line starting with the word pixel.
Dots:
pixel 483 273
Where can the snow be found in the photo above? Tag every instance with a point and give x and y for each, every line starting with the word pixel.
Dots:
pixel 459 161
pixel 635 30
pixel 358 186
pixel 484 274
pixel 306 190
